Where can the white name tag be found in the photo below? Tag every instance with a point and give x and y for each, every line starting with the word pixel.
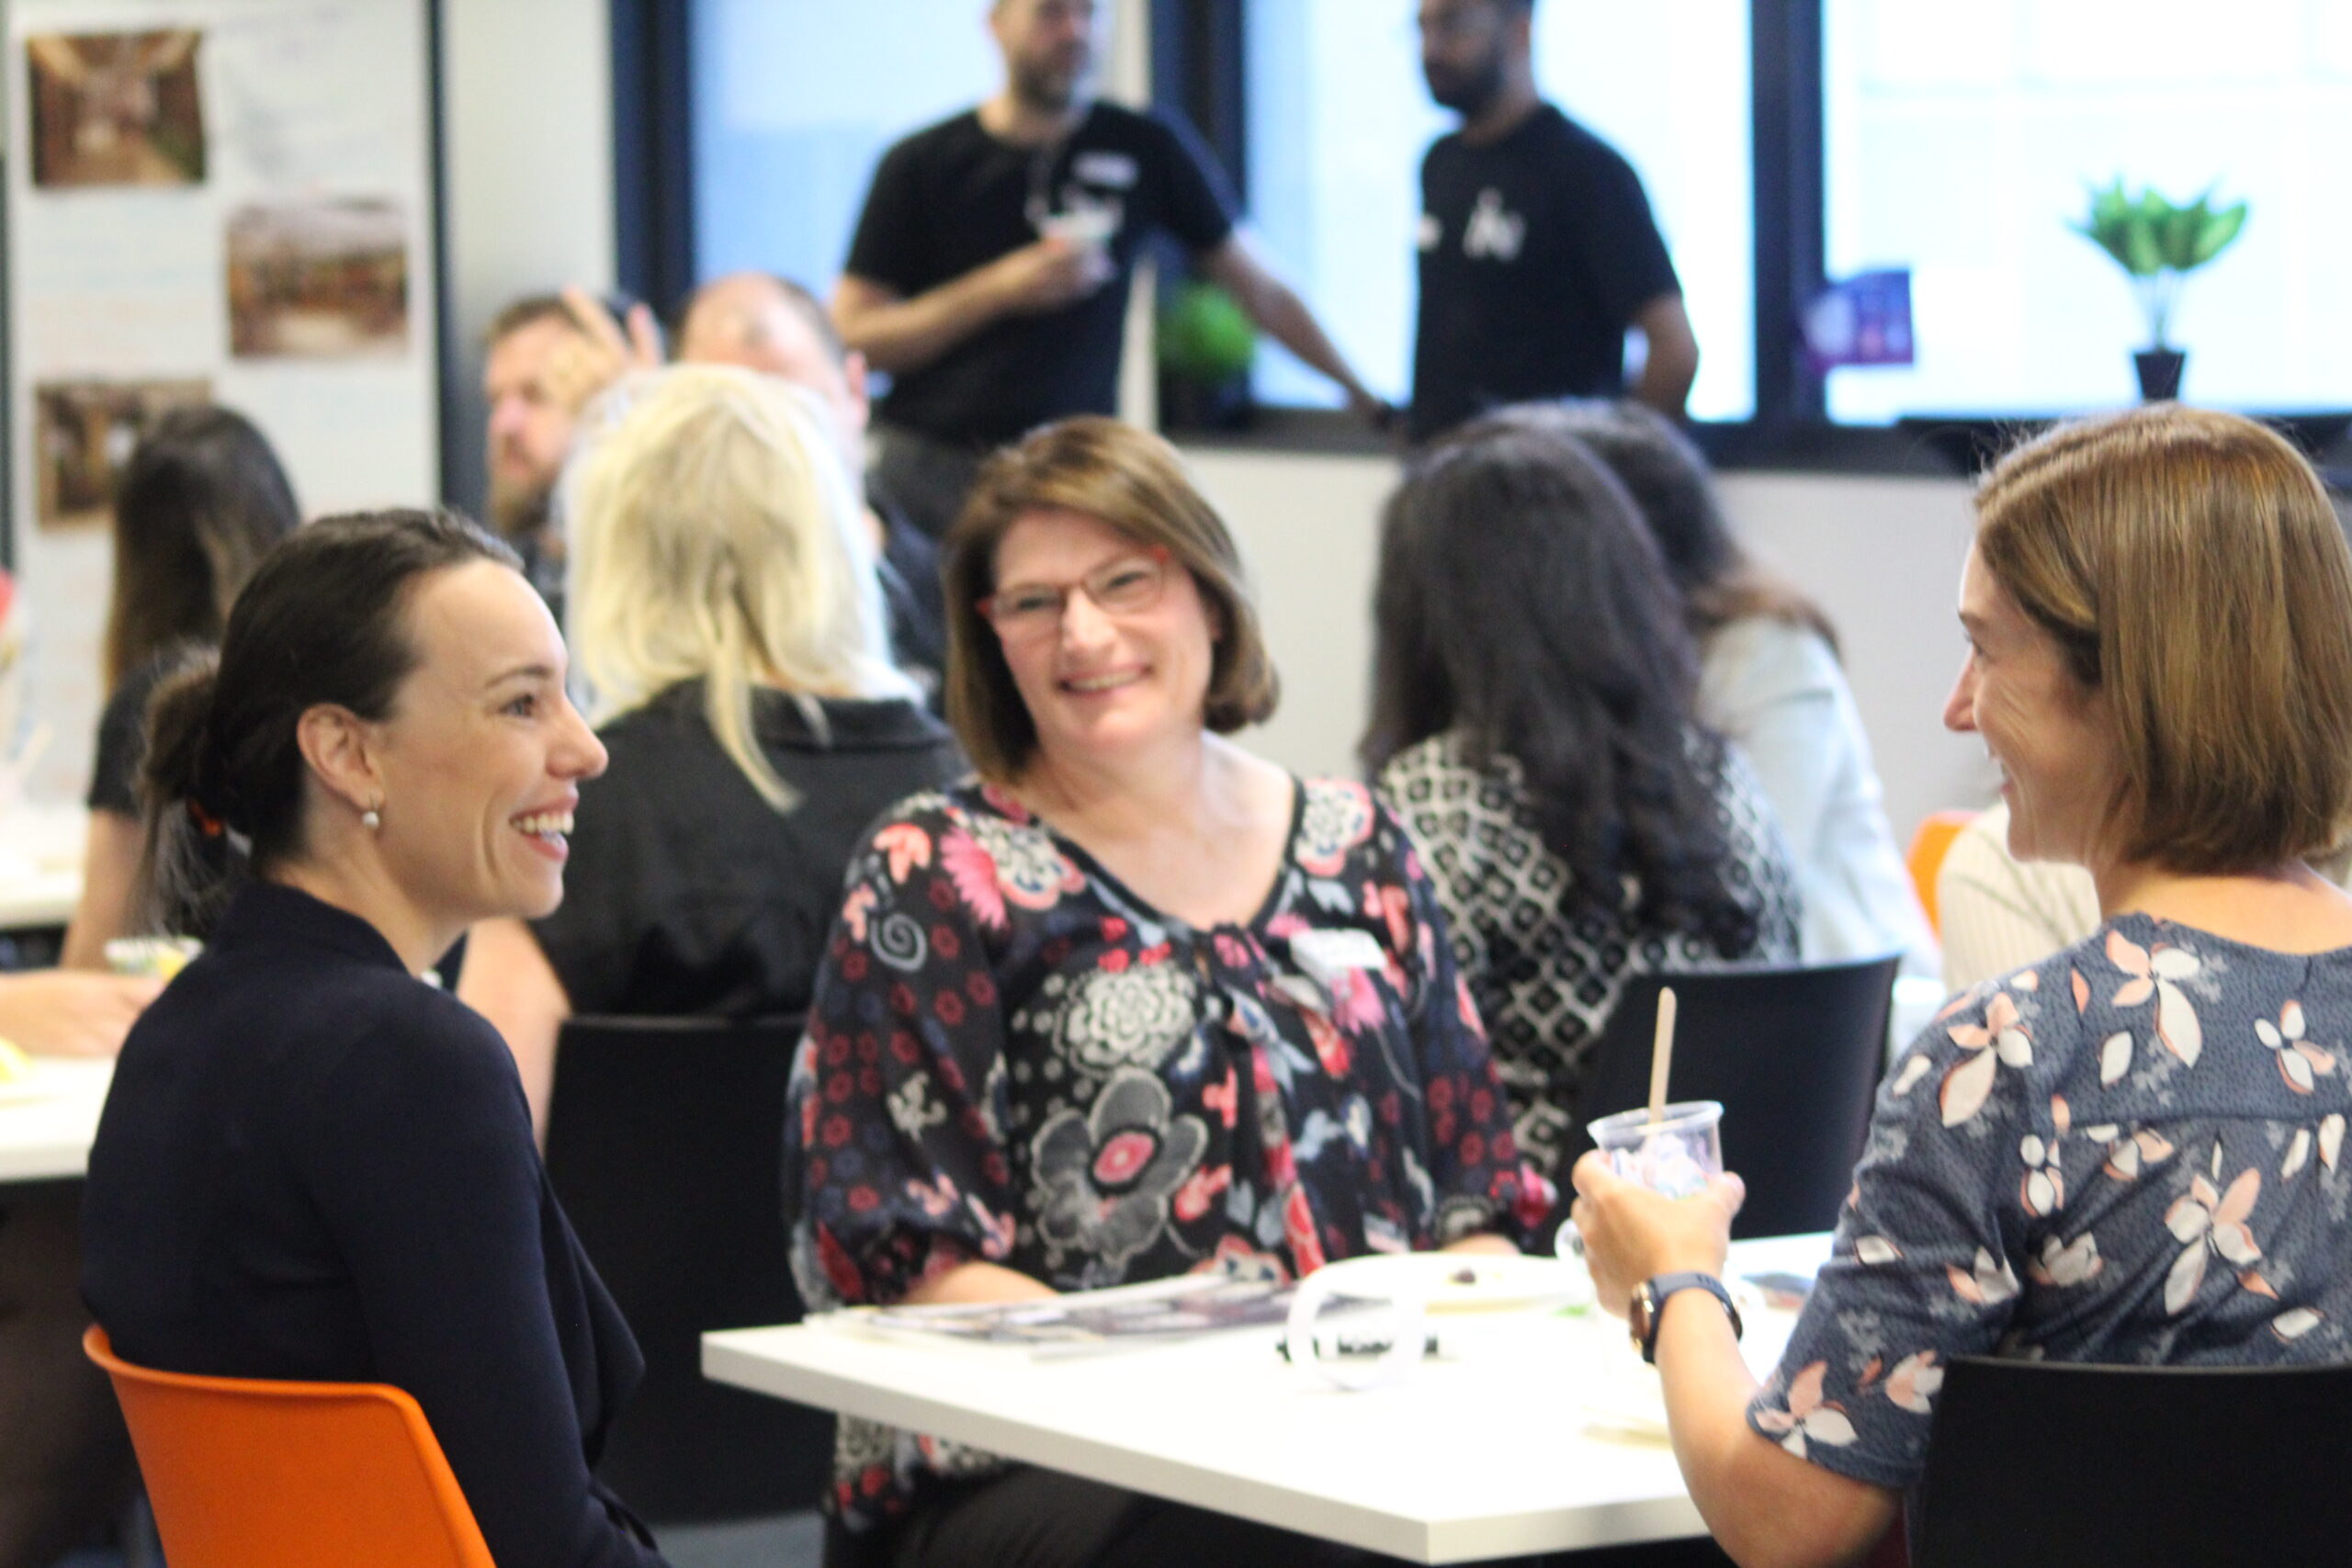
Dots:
pixel 1326 957
pixel 1112 171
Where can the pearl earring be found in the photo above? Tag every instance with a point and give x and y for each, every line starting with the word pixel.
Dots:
pixel 371 818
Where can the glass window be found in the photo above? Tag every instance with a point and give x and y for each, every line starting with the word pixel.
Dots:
pixel 794 102
pixel 1962 137
pixel 1339 119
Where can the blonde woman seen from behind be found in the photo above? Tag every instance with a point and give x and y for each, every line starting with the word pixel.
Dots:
pixel 730 637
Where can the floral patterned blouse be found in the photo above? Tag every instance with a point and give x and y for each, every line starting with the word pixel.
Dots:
pixel 2131 1152
pixel 1013 1058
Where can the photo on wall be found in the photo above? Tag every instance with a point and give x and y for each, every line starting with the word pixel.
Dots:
pixel 83 433
pixel 318 279
pixel 116 109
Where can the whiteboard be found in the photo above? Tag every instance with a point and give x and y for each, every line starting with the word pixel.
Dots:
pixel 207 200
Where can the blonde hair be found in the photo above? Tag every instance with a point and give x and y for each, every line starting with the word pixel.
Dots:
pixel 715 536
pixel 2197 581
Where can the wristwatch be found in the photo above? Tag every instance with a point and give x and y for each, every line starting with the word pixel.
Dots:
pixel 1649 1300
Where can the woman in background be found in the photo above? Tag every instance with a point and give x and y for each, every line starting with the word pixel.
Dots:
pixel 1769 681
pixel 729 625
pixel 1533 724
pixel 202 500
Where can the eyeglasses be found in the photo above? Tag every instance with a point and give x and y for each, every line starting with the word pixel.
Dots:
pixel 1028 611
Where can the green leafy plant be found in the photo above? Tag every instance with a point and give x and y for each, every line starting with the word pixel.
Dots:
pixel 1205 336
pixel 2158 243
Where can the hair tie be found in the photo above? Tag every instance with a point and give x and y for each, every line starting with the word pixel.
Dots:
pixel 211 827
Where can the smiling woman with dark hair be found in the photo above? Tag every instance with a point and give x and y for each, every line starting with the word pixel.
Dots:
pixel 1532 723
pixel 314 1164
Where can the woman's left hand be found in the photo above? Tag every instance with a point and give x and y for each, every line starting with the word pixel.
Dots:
pixel 1631 1234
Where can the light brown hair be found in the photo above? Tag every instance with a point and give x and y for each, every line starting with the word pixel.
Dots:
pixel 1134 483
pixel 2194 574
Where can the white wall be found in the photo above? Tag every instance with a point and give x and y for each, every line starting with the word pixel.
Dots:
pixel 1883 556
pixel 527 166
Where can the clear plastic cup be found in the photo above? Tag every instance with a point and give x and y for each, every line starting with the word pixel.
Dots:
pixel 1674 1154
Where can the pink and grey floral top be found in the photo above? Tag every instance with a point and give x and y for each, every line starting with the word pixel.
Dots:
pixel 2132 1152
pixel 1013 1058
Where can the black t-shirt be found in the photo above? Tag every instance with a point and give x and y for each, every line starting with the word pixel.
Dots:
pixel 688 895
pixel 1537 250
pixel 952 197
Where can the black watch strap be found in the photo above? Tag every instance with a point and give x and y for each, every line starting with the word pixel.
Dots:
pixel 1658 1289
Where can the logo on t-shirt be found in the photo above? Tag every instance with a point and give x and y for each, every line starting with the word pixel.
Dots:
pixel 1431 232
pixel 1491 231
pixel 1112 171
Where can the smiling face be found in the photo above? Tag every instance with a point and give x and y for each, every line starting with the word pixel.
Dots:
pixel 480 758
pixel 2051 735
pixel 1101 686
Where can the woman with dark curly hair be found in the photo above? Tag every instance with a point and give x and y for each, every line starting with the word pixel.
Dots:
pixel 1532 723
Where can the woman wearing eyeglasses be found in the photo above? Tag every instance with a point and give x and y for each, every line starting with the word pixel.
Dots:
pixel 1130 1003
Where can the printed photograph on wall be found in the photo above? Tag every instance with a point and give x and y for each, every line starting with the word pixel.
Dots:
pixel 116 109
pixel 83 433
pixel 321 279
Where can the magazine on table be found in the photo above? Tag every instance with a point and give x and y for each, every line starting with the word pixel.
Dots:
pixel 1079 1322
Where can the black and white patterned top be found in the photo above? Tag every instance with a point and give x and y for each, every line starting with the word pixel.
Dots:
pixel 1546 983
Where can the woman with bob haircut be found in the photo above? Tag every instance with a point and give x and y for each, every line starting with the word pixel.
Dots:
pixel 732 639
pixel 1771 682
pixel 1533 724
pixel 1129 1004
pixel 202 500
pixel 2133 1150
pixel 314 1164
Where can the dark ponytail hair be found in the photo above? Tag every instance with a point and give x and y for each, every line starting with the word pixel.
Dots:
pixel 1522 606
pixel 323 620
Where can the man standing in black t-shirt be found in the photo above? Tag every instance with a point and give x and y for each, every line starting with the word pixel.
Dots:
pixel 1538 250
pixel 990 268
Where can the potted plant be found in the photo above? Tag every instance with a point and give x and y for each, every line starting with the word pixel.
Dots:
pixel 1206 344
pixel 2158 244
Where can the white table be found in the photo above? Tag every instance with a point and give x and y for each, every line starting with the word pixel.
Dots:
pixel 40 865
pixel 47 1121
pixel 1487 1455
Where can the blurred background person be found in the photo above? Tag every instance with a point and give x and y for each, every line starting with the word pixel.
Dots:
pixel 202 500
pixel 1769 679
pixel 990 271
pixel 1050 983
pixel 1538 250
pixel 729 628
pixel 2197 1028
pixel 1532 723
pixel 774 325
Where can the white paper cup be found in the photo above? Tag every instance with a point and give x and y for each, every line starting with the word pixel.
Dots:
pixel 1675 1155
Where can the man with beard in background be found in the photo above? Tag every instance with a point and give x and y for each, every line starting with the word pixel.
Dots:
pixel 548 355
pixel 1538 250
pixel 989 273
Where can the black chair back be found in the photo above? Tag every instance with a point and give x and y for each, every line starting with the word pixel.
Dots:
pixel 665 1144
pixel 1794 1054
pixel 2043 1464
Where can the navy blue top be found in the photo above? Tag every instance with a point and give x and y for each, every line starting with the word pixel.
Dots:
pixel 314 1165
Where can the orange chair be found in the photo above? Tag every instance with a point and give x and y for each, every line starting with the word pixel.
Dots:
pixel 1928 847
pixel 247 1472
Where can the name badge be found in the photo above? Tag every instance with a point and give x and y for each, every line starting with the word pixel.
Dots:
pixel 1112 171
pixel 1326 957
